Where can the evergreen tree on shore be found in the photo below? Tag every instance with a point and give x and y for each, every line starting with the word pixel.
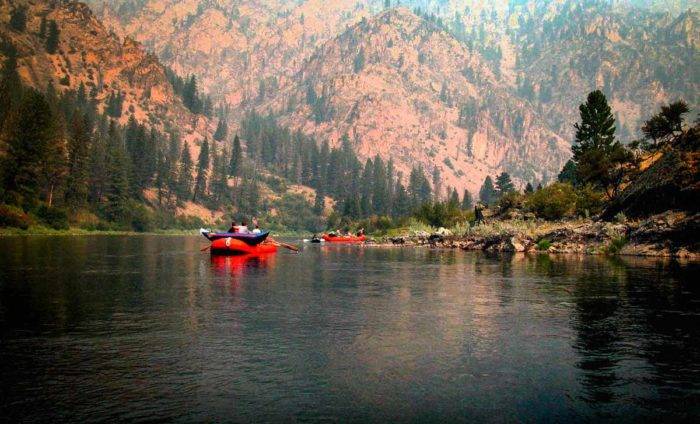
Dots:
pixel 200 184
pixel 599 158
pixel 467 201
pixel 487 193
pixel 504 184
pixel 185 173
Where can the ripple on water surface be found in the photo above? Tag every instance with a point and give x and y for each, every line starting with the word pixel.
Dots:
pixel 131 328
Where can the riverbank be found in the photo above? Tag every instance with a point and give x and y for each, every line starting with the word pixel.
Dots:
pixel 39 230
pixel 671 234
pixel 47 231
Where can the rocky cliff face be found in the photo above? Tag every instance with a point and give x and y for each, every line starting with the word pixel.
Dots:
pixel 237 49
pixel 516 71
pixel 90 56
pixel 401 87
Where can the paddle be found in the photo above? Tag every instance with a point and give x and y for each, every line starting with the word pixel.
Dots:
pixel 206 248
pixel 285 245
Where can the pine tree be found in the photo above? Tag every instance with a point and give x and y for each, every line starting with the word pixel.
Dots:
pixel 98 160
pixel 379 194
pixel 78 161
pixel 190 95
pixel 504 184
pixel 10 87
pixel 467 201
pixel 390 189
pixel 35 154
pixel 661 129
pixel 359 62
pixel 52 37
pixel 529 189
pixel 18 18
pixel 221 130
pixel 568 173
pixel 173 159
pixel 453 202
pixel 42 27
pixel 366 195
pixel 437 184
pixel 220 176
pixel 116 206
pixel 402 204
pixel 185 174
pixel 200 184
pixel 600 159
pixel 319 202
pixel 236 161
pixel 488 194
pixel 162 174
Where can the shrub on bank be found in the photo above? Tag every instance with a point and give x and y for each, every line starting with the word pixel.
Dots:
pixel 12 216
pixel 511 200
pixel 589 201
pixel 555 201
pixel 54 217
pixel 439 214
pixel 142 219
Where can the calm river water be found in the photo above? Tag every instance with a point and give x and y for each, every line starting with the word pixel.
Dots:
pixel 150 328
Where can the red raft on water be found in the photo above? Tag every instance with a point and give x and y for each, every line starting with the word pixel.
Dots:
pixel 239 243
pixel 332 238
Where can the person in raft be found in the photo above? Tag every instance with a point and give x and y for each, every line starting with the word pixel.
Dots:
pixel 256 227
pixel 243 228
pixel 233 228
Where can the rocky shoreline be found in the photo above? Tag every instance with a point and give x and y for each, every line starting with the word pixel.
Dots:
pixel 671 234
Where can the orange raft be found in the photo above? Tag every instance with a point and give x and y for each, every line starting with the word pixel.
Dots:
pixel 343 239
pixel 232 246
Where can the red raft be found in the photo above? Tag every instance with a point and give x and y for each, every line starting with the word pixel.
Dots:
pixel 232 246
pixel 331 238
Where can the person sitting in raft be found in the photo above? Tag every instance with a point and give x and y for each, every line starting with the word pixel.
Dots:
pixel 233 229
pixel 257 229
pixel 243 228
pixel 361 232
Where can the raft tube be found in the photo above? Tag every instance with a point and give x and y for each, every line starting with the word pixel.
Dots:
pixel 343 239
pixel 249 238
pixel 232 246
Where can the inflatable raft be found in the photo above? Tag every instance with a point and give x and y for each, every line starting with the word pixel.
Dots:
pixel 239 243
pixel 232 246
pixel 330 238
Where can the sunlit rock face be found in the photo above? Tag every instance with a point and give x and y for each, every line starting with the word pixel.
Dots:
pixel 481 87
pixel 97 63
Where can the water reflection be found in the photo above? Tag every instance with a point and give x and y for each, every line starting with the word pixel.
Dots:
pixel 163 331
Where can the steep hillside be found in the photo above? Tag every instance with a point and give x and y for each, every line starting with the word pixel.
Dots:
pixel 240 50
pixel 638 58
pixel 544 55
pixel 553 52
pixel 119 75
pixel 401 87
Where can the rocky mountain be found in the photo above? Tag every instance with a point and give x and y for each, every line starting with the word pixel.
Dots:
pixel 237 49
pixel 530 64
pixel 117 73
pixel 400 86
pixel 552 52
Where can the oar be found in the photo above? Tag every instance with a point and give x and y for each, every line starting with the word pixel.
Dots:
pixel 206 248
pixel 285 245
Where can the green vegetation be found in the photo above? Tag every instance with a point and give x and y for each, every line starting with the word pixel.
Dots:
pixel 543 245
pixel 599 158
pixel 555 201
pixel 616 245
pixel 18 18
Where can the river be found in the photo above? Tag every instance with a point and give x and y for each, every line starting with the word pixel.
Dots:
pixel 150 328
